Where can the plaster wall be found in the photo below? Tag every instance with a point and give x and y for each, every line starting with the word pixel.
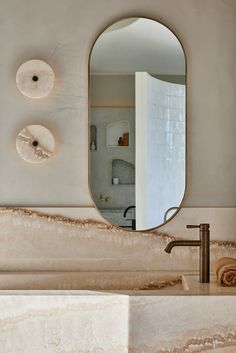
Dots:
pixel 62 33
pixel 119 90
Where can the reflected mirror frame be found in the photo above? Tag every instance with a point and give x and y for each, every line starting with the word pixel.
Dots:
pixel 109 24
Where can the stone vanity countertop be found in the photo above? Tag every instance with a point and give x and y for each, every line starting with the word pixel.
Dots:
pixel 192 286
pixel 56 283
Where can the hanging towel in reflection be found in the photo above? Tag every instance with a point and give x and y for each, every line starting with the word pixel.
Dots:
pixel 225 269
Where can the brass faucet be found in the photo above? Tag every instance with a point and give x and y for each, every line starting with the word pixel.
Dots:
pixel 203 243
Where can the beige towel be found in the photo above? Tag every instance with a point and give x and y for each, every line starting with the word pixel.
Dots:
pixel 225 269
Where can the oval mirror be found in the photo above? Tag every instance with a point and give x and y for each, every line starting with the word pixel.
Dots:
pixel 137 114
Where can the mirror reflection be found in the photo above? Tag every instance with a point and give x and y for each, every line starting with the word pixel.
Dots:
pixel 137 137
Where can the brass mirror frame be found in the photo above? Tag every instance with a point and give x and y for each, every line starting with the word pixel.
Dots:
pixel 186 124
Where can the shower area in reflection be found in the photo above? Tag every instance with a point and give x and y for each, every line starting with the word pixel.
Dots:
pixel 159 148
pixel 137 124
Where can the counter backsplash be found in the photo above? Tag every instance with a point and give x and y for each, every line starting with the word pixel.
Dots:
pixel 78 239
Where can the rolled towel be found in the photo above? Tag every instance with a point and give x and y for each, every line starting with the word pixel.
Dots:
pixel 225 269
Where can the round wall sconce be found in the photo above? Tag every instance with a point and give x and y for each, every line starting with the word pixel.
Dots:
pixel 35 144
pixel 35 79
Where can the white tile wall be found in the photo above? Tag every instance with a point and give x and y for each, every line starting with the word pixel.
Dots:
pixel 165 137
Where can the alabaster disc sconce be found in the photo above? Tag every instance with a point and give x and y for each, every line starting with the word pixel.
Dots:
pixel 35 144
pixel 35 79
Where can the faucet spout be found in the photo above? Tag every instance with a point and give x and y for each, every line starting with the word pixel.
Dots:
pixel 174 243
pixel 203 243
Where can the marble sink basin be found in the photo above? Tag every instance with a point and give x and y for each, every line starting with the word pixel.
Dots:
pixel 94 281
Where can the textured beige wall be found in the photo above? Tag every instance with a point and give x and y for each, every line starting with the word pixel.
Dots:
pixel 112 91
pixel 119 90
pixel 62 33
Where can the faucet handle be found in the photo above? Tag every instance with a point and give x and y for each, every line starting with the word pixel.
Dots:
pixel 202 226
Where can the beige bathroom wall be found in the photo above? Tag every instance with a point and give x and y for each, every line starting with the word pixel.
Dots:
pixel 112 90
pixel 62 33
pixel 119 90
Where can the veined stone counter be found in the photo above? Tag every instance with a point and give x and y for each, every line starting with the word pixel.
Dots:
pixel 57 323
pixel 112 323
pixel 132 283
pixel 182 324
pixel 188 318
